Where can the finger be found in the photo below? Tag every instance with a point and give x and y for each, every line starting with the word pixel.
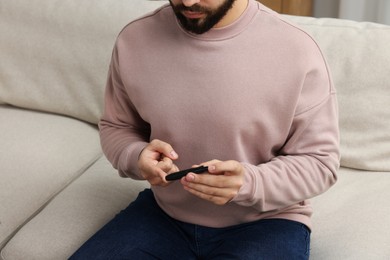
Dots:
pixel 215 197
pixel 158 178
pixel 164 148
pixel 219 189
pixel 203 181
pixel 226 167
pixel 208 163
pixel 165 164
pixel 203 188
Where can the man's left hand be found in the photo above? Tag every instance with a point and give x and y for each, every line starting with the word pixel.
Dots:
pixel 220 185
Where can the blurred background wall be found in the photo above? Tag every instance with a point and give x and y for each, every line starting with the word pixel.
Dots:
pixel 358 10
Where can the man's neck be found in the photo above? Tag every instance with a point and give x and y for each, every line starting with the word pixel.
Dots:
pixel 233 14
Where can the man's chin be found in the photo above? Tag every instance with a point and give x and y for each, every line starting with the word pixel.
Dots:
pixel 196 26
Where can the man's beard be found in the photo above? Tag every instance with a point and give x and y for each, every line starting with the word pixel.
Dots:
pixel 199 26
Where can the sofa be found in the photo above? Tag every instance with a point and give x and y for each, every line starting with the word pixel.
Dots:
pixel 57 188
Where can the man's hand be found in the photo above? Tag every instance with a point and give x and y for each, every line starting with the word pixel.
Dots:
pixel 220 186
pixel 156 161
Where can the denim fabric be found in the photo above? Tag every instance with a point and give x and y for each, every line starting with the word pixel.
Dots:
pixel 144 231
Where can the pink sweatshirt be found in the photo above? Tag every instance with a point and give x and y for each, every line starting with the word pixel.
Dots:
pixel 257 91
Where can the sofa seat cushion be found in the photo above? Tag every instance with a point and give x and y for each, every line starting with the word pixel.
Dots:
pixel 74 215
pixel 348 223
pixel 351 220
pixel 40 154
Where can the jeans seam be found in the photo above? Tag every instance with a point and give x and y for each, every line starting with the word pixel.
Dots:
pixel 307 239
pixel 197 244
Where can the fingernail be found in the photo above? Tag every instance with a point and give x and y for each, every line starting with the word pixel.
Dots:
pixel 174 154
pixel 190 177
pixel 211 168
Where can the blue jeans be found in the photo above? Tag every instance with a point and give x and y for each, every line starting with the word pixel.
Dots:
pixel 144 231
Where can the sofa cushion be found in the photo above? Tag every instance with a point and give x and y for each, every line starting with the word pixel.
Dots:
pixel 351 220
pixel 359 58
pixel 74 215
pixel 55 55
pixel 346 223
pixel 40 154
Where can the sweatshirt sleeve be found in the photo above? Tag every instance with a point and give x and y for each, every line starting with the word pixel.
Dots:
pixel 123 133
pixel 307 163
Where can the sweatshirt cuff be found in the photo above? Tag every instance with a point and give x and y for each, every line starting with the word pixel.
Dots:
pixel 246 194
pixel 129 161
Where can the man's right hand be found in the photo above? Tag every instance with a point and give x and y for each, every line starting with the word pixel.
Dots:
pixel 156 161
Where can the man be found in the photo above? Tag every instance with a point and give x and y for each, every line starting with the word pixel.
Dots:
pixel 230 85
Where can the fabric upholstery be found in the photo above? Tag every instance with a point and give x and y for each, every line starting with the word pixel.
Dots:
pixel 40 154
pixel 359 58
pixel 74 215
pixel 55 55
pixel 351 220
pixel 54 58
pixel 58 63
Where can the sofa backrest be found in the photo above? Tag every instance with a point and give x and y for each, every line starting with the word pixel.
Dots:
pixel 55 56
pixel 358 54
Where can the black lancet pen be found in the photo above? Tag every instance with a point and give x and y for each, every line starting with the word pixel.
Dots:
pixel 178 175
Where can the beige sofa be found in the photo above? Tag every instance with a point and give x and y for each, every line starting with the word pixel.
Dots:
pixel 56 187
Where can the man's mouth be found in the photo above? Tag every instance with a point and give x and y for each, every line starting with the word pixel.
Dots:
pixel 193 15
